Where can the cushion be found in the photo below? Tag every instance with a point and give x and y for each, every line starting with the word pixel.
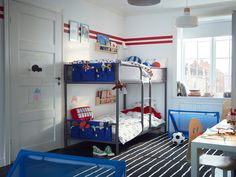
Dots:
pixel 146 110
pixel 82 113
pixel 134 59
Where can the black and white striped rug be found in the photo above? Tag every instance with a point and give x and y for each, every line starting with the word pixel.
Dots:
pixel 158 157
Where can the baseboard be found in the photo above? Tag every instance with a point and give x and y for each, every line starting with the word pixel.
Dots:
pixel 2 162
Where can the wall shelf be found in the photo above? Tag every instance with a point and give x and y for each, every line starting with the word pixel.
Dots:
pixel 104 48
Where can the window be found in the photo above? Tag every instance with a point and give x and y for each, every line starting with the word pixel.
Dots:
pixel 206 64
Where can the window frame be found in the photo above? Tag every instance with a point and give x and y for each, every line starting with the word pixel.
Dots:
pixel 212 57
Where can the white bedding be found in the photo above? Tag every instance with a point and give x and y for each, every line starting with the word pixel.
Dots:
pixel 130 124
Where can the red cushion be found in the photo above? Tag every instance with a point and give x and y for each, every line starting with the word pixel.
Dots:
pixel 81 113
pixel 146 110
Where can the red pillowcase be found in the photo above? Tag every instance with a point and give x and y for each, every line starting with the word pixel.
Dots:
pixel 81 113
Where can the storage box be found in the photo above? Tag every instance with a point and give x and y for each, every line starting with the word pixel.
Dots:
pixel 95 72
pixel 41 164
pixel 178 120
pixel 92 130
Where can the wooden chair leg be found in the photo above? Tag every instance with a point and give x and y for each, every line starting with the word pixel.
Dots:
pixel 212 171
pixel 224 173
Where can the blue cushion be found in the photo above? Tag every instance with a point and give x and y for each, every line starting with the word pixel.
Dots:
pixel 134 59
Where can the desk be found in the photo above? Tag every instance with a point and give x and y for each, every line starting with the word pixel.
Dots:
pixel 218 143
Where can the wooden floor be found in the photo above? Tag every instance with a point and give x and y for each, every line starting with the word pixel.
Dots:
pixel 85 149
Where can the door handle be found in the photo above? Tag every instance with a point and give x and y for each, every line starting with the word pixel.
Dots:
pixel 58 80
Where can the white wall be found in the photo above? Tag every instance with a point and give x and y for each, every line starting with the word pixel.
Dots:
pixel 1 91
pixel 154 25
pixel 209 29
pixel 98 19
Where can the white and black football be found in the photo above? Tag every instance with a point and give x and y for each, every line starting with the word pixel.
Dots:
pixel 178 138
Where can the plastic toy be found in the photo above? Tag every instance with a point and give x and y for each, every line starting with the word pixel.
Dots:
pixel 84 125
pixel 119 85
pixel 156 64
pixel 147 63
pixel 86 66
pixel 134 59
pixel 108 66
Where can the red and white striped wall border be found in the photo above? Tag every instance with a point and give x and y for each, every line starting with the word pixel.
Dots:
pixel 128 41
pixel 1 12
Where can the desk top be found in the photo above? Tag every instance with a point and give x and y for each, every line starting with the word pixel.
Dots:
pixel 211 138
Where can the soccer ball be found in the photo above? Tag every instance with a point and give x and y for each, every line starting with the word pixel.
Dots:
pixel 178 138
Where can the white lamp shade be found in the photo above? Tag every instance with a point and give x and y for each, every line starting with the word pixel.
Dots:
pixel 186 21
pixel 143 2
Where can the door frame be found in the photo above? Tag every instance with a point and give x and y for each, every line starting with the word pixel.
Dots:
pixel 7 121
pixel 7 112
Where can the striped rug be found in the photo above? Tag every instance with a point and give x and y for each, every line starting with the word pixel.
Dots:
pixel 158 157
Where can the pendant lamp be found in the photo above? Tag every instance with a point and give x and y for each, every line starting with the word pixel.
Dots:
pixel 143 2
pixel 187 20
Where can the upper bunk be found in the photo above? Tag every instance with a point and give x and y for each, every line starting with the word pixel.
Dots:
pixel 110 73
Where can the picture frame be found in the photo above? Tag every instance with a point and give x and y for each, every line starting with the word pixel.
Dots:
pixel 74 31
pixel 84 31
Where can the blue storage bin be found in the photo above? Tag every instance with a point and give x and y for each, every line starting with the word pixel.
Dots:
pixel 100 73
pixel 41 164
pixel 111 73
pixel 97 73
pixel 94 132
pixel 88 75
pixel 76 72
pixel 178 120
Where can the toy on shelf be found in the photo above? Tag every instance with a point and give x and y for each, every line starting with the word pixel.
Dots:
pixel 84 124
pixel 103 44
pixel 108 66
pixel 105 97
pixel 86 66
pixel 119 85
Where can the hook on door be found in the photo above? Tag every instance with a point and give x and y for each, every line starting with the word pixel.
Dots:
pixel 36 68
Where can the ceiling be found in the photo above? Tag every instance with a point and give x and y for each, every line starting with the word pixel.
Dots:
pixel 122 7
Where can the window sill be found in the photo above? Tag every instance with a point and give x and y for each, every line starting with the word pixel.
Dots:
pixel 200 98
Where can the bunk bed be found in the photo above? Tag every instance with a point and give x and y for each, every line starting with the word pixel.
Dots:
pixel 144 121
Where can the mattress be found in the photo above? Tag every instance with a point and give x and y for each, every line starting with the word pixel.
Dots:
pixel 130 124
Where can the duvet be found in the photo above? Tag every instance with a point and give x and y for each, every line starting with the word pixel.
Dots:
pixel 130 124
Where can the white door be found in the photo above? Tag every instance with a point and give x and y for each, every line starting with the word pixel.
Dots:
pixel 35 40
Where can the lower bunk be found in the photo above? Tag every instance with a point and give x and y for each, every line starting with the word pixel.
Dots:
pixel 103 128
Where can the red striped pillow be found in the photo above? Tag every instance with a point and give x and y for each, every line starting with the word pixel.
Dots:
pixel 81 113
